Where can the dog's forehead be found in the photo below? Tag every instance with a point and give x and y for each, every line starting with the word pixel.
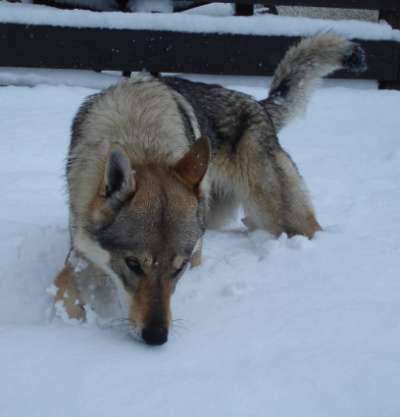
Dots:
pixel 164 230
pixel 158 223
pixel 159 189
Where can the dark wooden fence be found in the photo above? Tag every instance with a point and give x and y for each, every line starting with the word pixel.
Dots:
pixel 166 51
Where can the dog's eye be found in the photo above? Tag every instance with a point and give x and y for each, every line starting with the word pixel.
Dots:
pixel 180 270
pixel 134 266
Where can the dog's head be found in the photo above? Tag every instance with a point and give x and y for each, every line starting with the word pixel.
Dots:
pixel 149 219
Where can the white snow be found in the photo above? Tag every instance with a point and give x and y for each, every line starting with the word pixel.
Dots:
pixel 191 22
pixel 268 327
pixel 213 9
pixel 146 6
pixel 34 76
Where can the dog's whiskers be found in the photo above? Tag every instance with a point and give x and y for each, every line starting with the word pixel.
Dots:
pixel 122 323
pixel 178 327
pixel 179 323
pixel 126 326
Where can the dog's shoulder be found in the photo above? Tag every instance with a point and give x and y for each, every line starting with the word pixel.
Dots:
pixel 141 114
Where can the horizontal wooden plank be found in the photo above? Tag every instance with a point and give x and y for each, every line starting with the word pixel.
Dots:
pixel 155 51
pixel 343 4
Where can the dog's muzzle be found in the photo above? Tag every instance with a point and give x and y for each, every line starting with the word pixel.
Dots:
pixel 155 335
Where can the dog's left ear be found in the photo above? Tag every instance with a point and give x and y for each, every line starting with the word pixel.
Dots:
pixel 193 166
pixel 118 185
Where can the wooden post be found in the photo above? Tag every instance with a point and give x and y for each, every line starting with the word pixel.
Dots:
pixel 393 18
pixel 244 9
pixel 273 10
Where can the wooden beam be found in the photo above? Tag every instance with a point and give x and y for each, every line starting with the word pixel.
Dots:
pixel 243 9
pixel 342 4
pixel 162 51
pixel 393 18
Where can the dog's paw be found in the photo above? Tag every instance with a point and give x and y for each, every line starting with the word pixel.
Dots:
pixel 355 60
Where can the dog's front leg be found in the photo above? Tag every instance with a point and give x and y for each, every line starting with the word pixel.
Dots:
pixel 68 293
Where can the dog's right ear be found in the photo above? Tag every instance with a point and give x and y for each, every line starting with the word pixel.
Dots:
pixel 193 166
pixel 119 178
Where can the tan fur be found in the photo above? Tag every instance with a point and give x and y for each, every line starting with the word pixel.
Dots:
pixel 240 174
pixel 260 189
pixel 122 119
pixel 301 217
pixel 68 293
pixel 151 303
pixel 196 258
pixel 162 167
pixel 141 192
pixel 155 191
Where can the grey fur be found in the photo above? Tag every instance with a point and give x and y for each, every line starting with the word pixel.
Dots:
pixel 143 185
pixel 302 67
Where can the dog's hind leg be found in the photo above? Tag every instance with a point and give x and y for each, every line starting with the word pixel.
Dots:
pixel 298 213
pixel 68 293
pixel 271 189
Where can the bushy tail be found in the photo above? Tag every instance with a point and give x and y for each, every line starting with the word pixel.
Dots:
pixel 300 69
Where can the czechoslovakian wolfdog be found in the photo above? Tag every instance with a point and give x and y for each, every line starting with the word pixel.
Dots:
pixel 154 162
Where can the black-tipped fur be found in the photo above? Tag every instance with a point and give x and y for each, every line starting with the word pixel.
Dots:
pixel 356 61
pixel 303 66
pixel 142 186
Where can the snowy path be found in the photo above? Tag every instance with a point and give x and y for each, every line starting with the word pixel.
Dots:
pixel 281 328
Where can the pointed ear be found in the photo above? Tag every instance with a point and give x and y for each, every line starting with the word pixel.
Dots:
pixel 119 178
pixel 193 166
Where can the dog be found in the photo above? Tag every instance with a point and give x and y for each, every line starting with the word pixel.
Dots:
pixel 155 161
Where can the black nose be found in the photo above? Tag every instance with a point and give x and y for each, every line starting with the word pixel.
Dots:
pixel 155 335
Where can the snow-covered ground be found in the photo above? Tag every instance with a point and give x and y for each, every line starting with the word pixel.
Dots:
pixel 269 327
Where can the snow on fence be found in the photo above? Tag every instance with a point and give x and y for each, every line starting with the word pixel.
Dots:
pixel 45 37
